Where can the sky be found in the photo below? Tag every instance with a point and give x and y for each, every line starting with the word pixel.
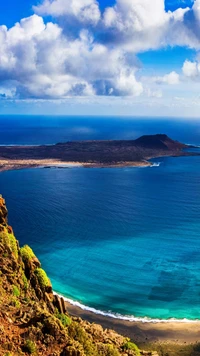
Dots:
pixel 112 57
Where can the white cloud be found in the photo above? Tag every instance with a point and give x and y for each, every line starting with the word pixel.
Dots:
pixel 142 25
pixel 40 61
pixel 135 15
pixel 196 8
pixel 134 25
pixel 126 84
pixel 171 79
pixel 86 11
pixel 191 69
pixel 88 53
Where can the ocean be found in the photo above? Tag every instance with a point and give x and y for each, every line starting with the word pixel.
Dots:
pixel 122 241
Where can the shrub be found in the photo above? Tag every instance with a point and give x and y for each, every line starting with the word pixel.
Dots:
pixel 77 333
pixel 27 253
pixel 9 240
pixel 132 347
pixel 30 347
pixel 13 244
pixel 65 320
pixel 42 278
pixel 25 282
pixel 16 291
pixel 4 238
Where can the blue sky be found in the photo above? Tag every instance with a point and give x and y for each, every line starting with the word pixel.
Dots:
pixel 83 56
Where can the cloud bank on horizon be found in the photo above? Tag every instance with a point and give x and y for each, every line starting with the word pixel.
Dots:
pixel 74 48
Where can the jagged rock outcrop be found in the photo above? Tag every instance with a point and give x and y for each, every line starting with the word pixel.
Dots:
pixel 34 321
pixel 3 213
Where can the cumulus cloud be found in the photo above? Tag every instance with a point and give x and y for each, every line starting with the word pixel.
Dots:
pixel 143 25
pixel 135 14
pixel 172 78
pixel 86 11
pixel 86 52
pixel 41 62
pixel 132 24
pixel 191 69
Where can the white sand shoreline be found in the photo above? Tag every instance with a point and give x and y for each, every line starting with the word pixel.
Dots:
pixel 15 164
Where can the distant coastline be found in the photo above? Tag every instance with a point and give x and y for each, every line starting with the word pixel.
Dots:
pixel 93 154
pixel 6 165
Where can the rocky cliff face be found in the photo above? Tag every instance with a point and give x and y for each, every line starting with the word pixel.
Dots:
pixel 34 321
pixel 3 213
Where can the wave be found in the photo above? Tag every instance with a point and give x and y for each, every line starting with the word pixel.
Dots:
pixel 124 317
pixel 156 164
pixel 192 145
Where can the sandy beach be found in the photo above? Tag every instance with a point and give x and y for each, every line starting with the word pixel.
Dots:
pixel 12 164
pixel 180 333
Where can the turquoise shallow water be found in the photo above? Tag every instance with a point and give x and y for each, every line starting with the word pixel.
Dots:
pixel 124 240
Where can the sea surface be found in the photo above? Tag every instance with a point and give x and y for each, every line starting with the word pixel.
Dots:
pixel 124 241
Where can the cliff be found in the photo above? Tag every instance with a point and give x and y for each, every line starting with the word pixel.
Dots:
pixel 33 320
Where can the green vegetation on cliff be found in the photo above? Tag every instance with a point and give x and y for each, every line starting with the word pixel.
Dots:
pixel 9 239
pixel 42 278
pixel 27 253
pixel 129 346
pixel 65 319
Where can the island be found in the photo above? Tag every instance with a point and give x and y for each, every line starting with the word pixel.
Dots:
pixel 104 153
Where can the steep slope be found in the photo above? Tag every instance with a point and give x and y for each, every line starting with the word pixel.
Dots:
pixel 33 320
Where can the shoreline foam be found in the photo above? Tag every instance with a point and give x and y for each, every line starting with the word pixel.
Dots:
pixel 119 316
pixel 141 330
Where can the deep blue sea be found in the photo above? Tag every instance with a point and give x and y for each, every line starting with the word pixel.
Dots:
pixel 119 240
